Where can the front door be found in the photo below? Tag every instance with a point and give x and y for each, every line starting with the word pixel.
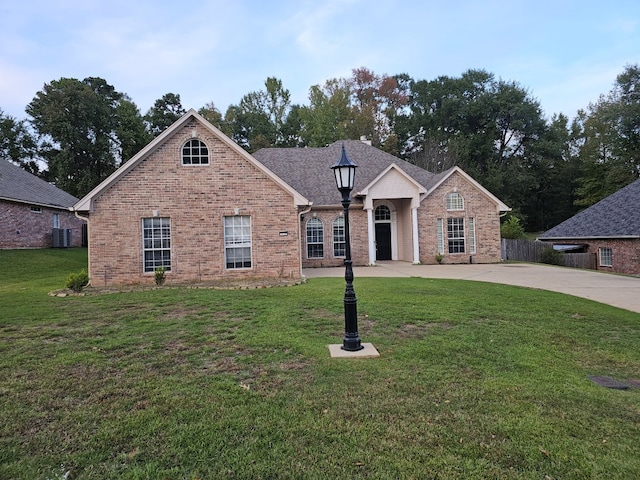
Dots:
pixel 383 241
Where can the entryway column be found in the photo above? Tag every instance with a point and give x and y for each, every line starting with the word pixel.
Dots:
pixel 371 233
pixel 414 228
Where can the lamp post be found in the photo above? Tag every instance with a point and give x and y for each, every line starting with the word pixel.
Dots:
pixel 344 171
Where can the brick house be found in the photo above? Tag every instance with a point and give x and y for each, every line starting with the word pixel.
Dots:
pixel 609 229
pixel 34 213
pixel 200 206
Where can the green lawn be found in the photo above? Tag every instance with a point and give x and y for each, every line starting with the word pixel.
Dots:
pixel 475 380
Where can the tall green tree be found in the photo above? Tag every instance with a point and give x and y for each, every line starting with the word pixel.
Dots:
pixel 165 111
pixel 86 129
pixel 488 126
pixel 610 139
pixel 261 118
pixel 17 143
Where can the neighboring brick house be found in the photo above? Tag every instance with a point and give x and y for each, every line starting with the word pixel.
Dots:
pixel 34 213
pixel 610 230
pixel 196 203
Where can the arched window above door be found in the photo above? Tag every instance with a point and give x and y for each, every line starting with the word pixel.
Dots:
pixel 382 213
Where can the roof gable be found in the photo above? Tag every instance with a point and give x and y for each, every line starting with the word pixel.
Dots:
pixel 85 204
pixel 18 185
pixel 442 177
pixel 616 216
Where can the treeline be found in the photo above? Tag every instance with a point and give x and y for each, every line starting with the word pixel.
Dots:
pixel 546 169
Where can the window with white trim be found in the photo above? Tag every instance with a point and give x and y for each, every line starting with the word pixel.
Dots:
pixel 56 220
pixel 472 234
pixel 605 257
pixel 195 152
pixel 455 235
pixel 339 238
pixel 237 241
pixel 156 248
pixel 315 238
pixel 455 201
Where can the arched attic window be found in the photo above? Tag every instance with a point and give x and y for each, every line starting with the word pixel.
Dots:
pixel 455 201
pixel 195 152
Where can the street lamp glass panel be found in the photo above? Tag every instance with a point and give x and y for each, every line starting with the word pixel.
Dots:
pixel 345 176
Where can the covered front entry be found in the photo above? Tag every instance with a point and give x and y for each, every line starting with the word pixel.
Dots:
pixel 391 202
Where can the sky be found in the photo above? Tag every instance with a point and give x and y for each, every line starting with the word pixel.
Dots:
pixel 565 53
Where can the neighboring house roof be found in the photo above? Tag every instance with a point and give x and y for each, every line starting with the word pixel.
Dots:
pixel 308 170
pixel 18 185
pixel 616 216
pixel 86 203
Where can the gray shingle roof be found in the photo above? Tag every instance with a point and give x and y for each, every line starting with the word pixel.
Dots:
pixel 308 170
pixel 16 184
pixel 615 216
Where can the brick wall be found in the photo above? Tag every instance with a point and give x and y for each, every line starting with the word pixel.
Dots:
pixel 358 232
pixel 625 255
pixel 22 227
pixel 196 198
pixel 476 205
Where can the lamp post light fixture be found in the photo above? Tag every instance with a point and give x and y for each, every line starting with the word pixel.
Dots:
pixel 345 170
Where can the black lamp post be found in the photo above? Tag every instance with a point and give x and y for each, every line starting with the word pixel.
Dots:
pixel 345 171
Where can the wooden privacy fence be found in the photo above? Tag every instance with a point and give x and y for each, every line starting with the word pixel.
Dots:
pixel 531 251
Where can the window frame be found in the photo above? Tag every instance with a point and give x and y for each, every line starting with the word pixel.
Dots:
pixel 187 152
pixel 153 244
pixel 238 245
pixel 455 243
pixel 454 202
pixel 605 256
pixel 316 246
pixel 339 238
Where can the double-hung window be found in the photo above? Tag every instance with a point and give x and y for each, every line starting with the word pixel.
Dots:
pixel 339 237
pixel 455 235
pixel 237 241
pixel 156 238
pixel 605 257
pixel 315 238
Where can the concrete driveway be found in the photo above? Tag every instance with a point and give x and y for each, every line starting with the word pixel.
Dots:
pixel 617 290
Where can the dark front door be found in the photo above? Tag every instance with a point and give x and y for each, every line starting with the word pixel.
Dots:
pixel 383 241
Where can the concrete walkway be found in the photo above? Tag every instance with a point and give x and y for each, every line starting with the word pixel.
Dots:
pixel 617 290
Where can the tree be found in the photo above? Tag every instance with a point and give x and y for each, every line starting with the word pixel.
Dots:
pixel 610 139
pixel 212 115
pixel 165 111
pixel 488 127
pixel 86 128
pixel 329 114
pixel 17 143
pixel 130 129
pixel 261 118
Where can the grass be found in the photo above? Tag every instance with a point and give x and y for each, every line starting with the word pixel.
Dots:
pixel 475 380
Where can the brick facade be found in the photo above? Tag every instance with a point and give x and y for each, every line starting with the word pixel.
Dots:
pixel 31 226
pixel 476 205
pixel 625 255
pixel 195 198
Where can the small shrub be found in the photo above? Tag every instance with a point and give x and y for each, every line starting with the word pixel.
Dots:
pixel 551 256
pixel 159 276
pixel 439 257
pixel 511 228
pixel 77 281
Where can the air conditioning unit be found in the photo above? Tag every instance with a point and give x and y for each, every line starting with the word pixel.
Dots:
pixel 61 237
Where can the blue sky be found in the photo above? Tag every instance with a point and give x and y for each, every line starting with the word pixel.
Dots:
pixel 566 53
